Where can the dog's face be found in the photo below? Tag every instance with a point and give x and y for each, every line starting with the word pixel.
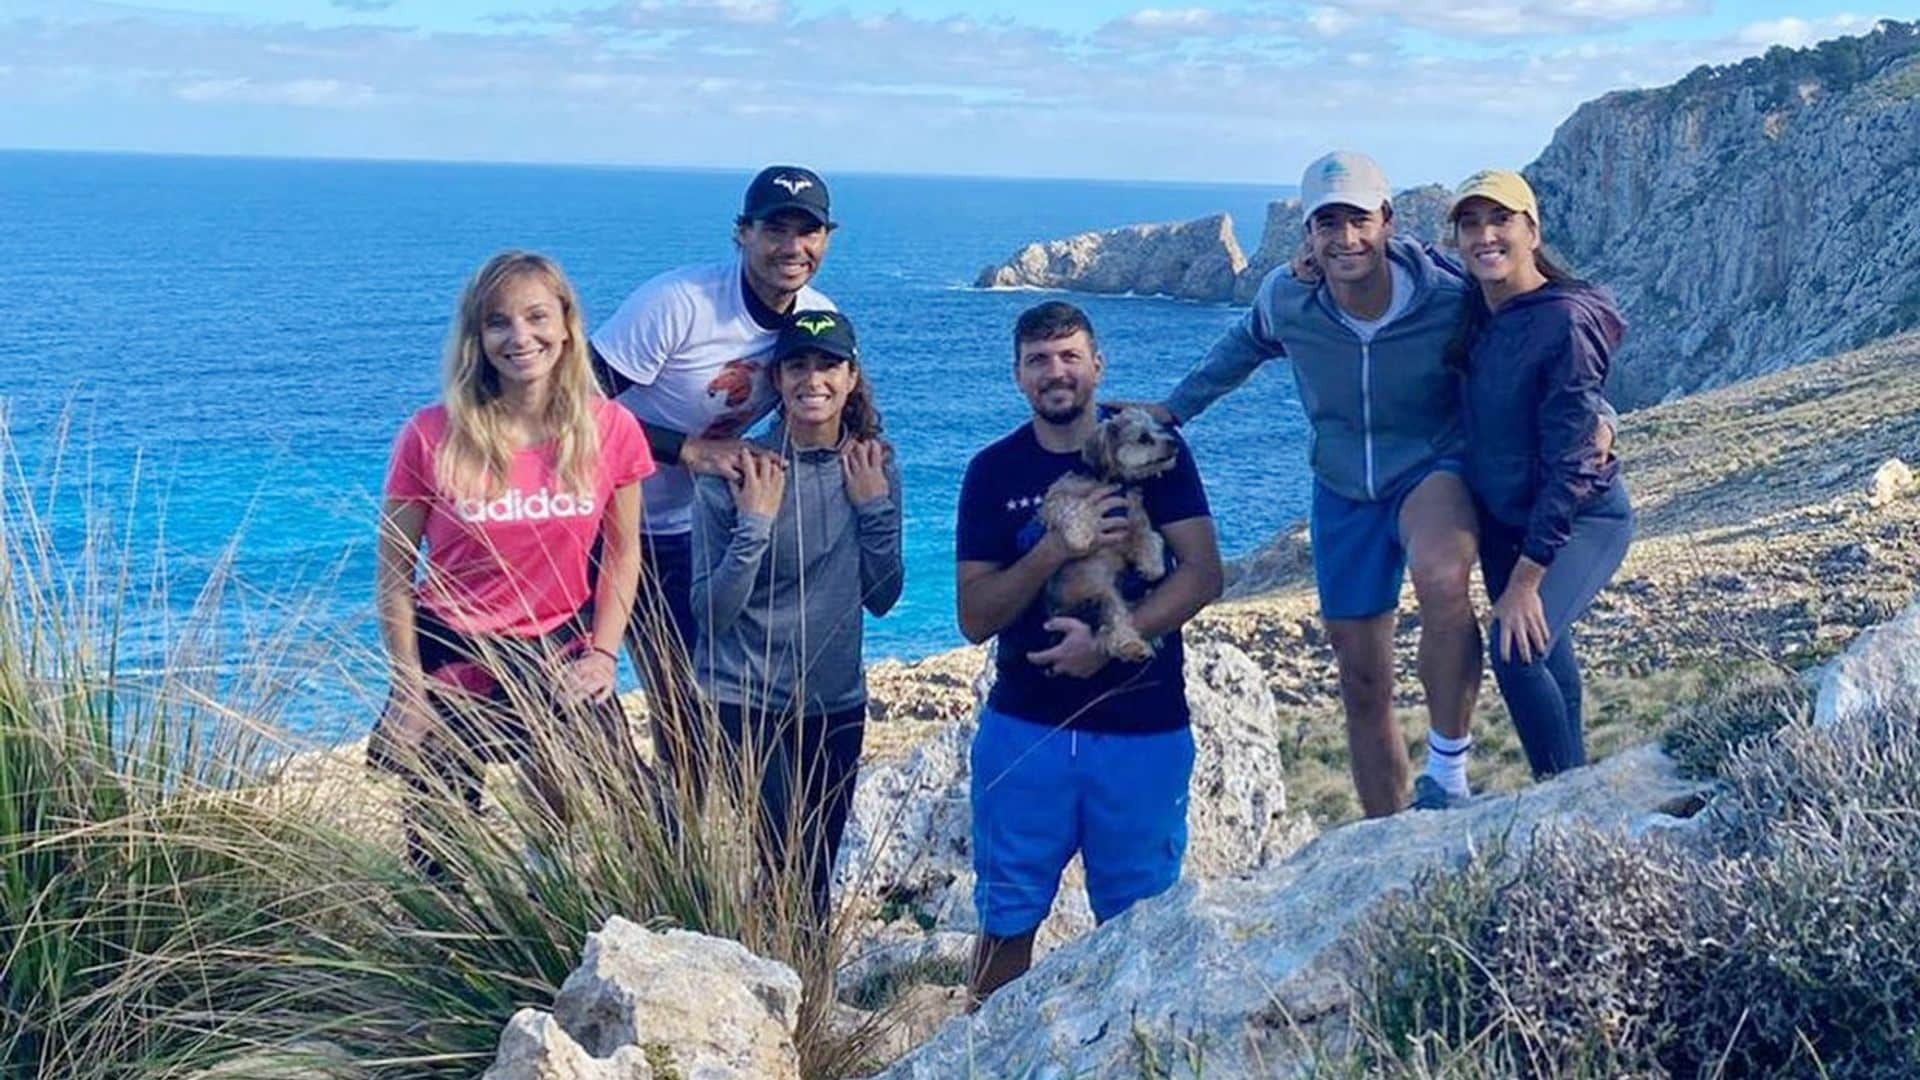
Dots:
pixel 1130 446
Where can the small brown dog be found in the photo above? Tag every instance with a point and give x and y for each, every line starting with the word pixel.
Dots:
pixel 1124 449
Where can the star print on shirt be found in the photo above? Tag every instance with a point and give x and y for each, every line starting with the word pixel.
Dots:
pixel 1026 503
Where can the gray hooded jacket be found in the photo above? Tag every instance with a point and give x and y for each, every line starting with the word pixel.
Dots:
pixel 1381 411
pixel 778 600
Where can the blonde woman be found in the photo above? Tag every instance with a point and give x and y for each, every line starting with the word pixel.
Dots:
pixel 508 482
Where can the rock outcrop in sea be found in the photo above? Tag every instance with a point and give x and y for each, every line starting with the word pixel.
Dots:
pixel 1749 217
pixel 1194 260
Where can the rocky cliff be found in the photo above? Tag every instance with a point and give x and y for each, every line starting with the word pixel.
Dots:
pixel 1749 217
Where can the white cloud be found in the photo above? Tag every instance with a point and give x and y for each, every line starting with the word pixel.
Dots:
pixel 1516 18
pixel 1799 33
pixel 1179 19
pixel 300 93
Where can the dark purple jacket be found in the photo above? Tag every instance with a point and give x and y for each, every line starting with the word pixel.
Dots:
pixel 1533 407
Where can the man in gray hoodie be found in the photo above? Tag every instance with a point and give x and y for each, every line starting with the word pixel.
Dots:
pixel 1368 341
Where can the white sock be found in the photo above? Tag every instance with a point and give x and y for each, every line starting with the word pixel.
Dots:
pixel 1447 762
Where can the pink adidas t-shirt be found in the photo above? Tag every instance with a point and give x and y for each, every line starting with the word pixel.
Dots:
pixel 515 565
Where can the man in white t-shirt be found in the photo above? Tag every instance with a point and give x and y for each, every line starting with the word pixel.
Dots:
pixel 687 355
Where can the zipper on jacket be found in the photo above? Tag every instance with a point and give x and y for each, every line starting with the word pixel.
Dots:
pixel 1366 410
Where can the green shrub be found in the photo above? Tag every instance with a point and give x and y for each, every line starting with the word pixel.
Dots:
pixel 1752 705
pixel 1780 936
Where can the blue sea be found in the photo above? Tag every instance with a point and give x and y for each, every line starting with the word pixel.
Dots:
pixel 213 354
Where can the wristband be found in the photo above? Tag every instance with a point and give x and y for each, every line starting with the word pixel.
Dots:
pixel 608 653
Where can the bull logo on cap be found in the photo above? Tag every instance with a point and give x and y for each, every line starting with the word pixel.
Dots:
pixel 794 184
pixel 815 324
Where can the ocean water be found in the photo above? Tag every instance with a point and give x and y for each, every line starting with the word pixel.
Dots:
pixel 215 353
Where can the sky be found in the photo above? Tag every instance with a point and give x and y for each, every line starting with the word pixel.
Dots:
pixel 1062 88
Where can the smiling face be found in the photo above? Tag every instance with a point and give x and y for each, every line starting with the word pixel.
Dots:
pixel 1495 243
pixel 783 252
pixel 814 387
pixel 1058 375
pixel 1349 244
pixel 524 331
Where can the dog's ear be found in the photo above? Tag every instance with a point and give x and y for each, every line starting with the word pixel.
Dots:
pixel 1097 451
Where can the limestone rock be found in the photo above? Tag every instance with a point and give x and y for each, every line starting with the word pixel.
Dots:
pixel 1195 260
pixel 1729 211
pixel 535 1047
pixel 1258 970
pixel 697 1007
pixel 1892 480
pixel 1879 672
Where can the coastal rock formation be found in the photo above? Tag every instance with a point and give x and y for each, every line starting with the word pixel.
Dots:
pixel 909 842
pixel 1194 260
pixel 1749 217
pixel 644 1004
pixel 1879 673
pixel 1257 971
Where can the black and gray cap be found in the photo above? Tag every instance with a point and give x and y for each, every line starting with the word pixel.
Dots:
pixel 816 331
pixel 786 187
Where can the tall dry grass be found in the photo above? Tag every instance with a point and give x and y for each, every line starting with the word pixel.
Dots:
pixel 186 886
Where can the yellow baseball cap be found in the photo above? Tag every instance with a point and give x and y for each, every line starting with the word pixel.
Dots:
pixel 1508 189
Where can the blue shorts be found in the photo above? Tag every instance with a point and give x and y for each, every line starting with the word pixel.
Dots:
pixel 1041 793
pixel 1359 560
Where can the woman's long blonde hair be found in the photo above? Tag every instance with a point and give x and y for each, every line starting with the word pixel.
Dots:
pixel 475 458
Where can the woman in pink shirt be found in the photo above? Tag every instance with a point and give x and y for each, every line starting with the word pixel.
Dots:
pixel 500 642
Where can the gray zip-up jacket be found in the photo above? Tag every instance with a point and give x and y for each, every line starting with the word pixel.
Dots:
pixel 1381 410
pixel 778 600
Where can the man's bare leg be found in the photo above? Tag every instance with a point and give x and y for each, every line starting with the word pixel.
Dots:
pixel 996 962
pixel 1363 649
pixel 1442 537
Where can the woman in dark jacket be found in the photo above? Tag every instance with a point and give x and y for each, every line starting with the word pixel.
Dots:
pixel 1555 517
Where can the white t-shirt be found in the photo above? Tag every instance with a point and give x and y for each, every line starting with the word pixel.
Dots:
pixel 1396 307
pixel 698 361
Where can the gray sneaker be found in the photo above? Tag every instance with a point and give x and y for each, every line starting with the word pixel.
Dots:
pixel 1428 794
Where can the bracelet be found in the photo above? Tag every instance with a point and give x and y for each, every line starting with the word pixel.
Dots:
pixel 608 653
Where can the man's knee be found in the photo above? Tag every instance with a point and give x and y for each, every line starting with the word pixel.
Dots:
pixel 1441 572
pixel 1366 670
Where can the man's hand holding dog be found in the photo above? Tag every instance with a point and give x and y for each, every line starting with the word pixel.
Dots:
pixel 1077 653
pixel 1109 530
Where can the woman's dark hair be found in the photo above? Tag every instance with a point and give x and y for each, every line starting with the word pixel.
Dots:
pixel 860 417
pixel 1474 314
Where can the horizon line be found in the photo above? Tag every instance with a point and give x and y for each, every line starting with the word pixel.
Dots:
pixel 345 159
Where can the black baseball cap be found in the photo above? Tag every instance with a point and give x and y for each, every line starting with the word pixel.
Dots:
pixel 816 331
pixel 786 187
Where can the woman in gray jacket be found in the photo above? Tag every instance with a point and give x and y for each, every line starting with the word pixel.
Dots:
pixel 785 559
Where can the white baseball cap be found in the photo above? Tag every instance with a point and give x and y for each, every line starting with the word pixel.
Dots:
pixel 1343 178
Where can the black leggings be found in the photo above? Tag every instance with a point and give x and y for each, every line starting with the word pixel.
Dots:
pixel 489 725
pixel 806 768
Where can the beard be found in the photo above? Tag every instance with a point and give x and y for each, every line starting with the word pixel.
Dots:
pixel 1062 416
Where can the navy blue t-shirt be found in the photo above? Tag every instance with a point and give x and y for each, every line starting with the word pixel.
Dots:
pixel 999 522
